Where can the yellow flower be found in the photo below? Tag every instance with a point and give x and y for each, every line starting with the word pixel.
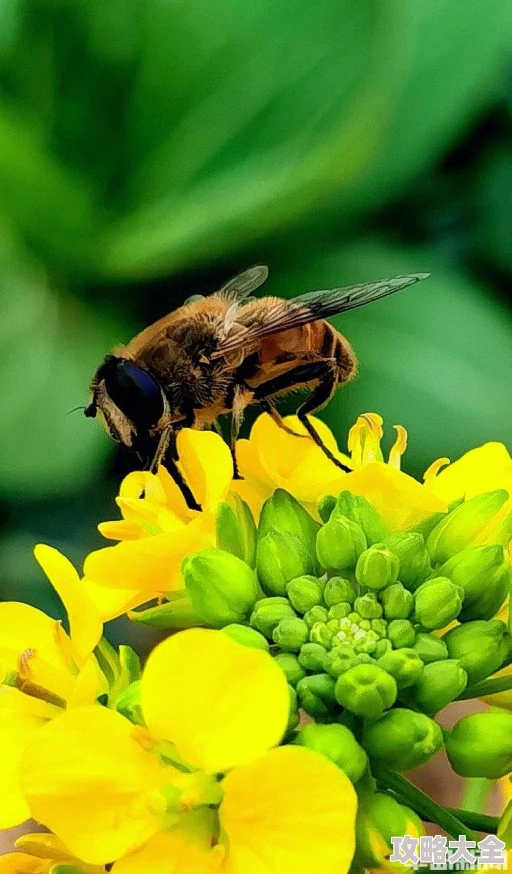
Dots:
pixel 40 854
pixel 274 458
pixel 200 788
pixel 158 530
pixel 43 670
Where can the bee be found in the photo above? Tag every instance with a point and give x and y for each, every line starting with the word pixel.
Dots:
pixel 223 353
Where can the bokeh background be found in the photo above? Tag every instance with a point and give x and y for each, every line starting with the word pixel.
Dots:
pixel 149 149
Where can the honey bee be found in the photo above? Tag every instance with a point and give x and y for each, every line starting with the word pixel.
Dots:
pixel 222 353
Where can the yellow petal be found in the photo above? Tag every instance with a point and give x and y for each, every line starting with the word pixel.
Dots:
pixel 226 703
pixel 37 644
pixel 85 623
pixel 400 499
pixel 21 863
pixel 88 686
pixel 90 782
pixel 206 464
pixel 480 470
pixel 21 719
pixel 152 564
pixel 290 811
pixel 44 846
pixel 121 530
pixel 179 851
pixel 111 603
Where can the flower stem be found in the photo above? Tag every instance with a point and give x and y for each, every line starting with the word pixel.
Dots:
pixel 481 822
pixel 475 794
pixel 487 687
pixel 425 806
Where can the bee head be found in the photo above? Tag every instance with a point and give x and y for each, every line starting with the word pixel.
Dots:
pixel 129 400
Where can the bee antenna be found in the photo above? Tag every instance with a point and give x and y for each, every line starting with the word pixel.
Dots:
pixel 75 409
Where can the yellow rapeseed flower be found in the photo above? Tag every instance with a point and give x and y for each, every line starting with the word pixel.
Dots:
pixel 200 788
pixel 43 670
pixel 273 457
pixel 158 530
pixel 42 853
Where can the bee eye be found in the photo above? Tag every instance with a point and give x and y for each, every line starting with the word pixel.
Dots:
pixel 135 392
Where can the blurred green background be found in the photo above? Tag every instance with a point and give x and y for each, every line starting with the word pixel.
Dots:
pixel 149 149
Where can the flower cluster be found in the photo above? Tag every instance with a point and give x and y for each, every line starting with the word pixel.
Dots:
pixel 317 622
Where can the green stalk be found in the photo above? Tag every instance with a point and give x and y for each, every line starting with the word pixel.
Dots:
pixel 475 794
pixel 487 687
pixel 423 805
pixel 481 822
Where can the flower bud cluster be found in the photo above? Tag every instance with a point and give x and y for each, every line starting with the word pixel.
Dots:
pixel 385 628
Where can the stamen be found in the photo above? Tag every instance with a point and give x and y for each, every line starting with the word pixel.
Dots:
pixel 16 681
pixel 399 447
pixel 432 471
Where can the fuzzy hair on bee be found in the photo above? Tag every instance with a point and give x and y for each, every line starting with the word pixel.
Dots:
pixel 223 353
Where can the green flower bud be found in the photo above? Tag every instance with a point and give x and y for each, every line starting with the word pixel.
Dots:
pixel 325 507
pixel 380 626
pixel 268 613
pixel 311 657
pixel 404 665
pixel 339 660
pixel 236 529
pixel 481 647
pixel 246 636
pixel 397 602
pixel 304 593
pixel 377 567
pixel 459 529
pixel 289 664
pixel 439 684
pixel 176 614
pixel 282 512
pixel 337 743
pixel 410 549
pixel 280 558
pixel 401 633
pixel 322 634
pixel 337 591
pixel 402 739
pixel 484 574
pixel 480 745
pixel 316 695
pixel 294 717
pixel 437 603
pixel 379 818
pixel 340 611
pixel 339 544
pixel 366 690
pixel 359 510
pixel 291 634
pixel 429 648
pixel 316 614
pixel 367 644
pixel 383 646
pixel 128 703
pixel 368 607
pixel 222 588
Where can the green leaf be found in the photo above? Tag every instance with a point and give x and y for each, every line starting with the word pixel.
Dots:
pixel 435 357
pixel 242 116
pixel 456 53
pixel 50 345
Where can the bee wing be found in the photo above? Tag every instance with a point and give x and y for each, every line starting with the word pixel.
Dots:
pixel 241 286
pixel 282 315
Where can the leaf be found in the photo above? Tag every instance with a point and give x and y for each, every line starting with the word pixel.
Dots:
pixel 435 357
pixel 244 115
pixel 456 52
pixel 50 346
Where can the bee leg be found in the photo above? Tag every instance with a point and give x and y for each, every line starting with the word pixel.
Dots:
pixel 278 419
pixel 168 441
pixel 318 398
pixel 237 416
